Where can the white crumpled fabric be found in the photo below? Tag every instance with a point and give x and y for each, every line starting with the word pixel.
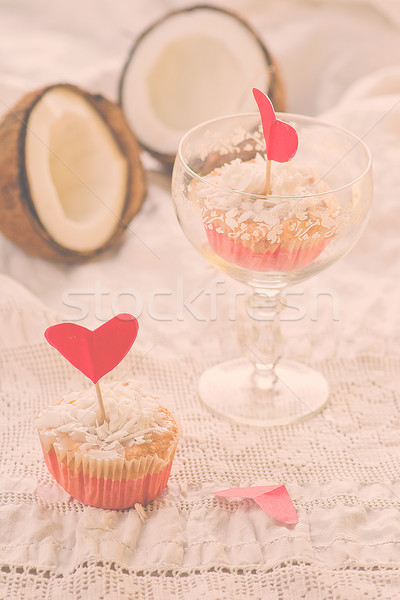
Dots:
pixel 342 468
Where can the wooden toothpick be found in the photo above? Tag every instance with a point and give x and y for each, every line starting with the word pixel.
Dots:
pixel 268 178
pixel 103 415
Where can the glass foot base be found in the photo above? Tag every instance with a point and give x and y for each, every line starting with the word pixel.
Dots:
pixel 299 392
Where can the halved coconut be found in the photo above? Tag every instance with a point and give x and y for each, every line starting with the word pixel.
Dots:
pixel 190 66
pixel 70 173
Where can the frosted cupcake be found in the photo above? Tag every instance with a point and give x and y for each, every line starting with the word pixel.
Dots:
pixel 125 460
pixel 280 232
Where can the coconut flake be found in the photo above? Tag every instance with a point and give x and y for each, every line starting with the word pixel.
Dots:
pixel 134 416
pixel 288 181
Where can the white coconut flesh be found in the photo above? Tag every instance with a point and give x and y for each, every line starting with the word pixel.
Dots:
pixel 191 67
pixel 76 172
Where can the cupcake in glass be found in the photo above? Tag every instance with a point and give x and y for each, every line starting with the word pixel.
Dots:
pixel 277 235
pixel 270 200
pixel 125 460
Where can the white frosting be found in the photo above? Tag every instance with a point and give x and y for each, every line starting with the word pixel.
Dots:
pixel 134 416
pixel 289 182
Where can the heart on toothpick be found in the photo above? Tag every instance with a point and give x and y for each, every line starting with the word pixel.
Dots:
pixel 281 140
pixel 94 353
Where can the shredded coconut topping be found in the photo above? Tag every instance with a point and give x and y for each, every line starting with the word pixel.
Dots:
pixel 272 217
pixel 134 416
pixel 287 179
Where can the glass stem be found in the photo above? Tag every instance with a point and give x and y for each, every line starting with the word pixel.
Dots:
pixel 264 344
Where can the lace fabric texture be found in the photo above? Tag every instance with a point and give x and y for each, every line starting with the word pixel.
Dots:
pixel 341 468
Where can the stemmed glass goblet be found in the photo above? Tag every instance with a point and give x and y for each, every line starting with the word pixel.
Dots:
pixel 297 235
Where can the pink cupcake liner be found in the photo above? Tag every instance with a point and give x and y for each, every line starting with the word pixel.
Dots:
pixel 280 259
pixel 107 492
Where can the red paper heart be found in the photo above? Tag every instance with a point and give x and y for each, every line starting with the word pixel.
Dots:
pixel 273 499
pixel 246 492
pixel 279 505
pixel 281 141
pixel 94 353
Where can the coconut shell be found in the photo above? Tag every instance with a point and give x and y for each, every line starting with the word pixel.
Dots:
pixel 275 91
pixel 19 220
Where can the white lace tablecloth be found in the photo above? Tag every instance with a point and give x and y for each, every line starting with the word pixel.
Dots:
pixel 341 468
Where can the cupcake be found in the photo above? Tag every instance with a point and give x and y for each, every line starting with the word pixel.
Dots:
pixel 125 460
pixel 281 232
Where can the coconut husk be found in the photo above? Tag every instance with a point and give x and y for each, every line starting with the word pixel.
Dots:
pixel 19 220
pixel 275 91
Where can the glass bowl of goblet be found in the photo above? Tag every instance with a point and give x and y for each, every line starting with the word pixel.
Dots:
pixel 315 213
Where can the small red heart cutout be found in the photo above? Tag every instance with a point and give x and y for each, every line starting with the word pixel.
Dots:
pixel 94 353
pixel 279 505
pixel 281 140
